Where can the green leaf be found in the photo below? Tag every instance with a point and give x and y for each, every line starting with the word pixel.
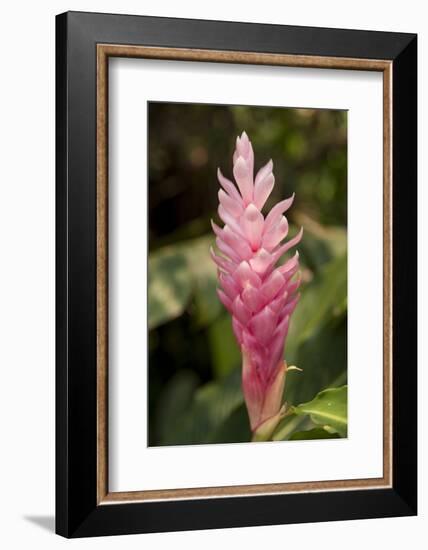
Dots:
pixel 203 273
pixel 234 429
pixel 329 408
pixel 321 243
pixel 174 400
pixel 169 285
pixel 291 424
pixel 321 300
pixel 180 276
pixel 316 250
pixel 323 358
pixel 315 433
pixel 210 409
pixel 225 353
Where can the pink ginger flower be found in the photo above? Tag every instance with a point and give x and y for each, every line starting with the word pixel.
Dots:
pixel 260 296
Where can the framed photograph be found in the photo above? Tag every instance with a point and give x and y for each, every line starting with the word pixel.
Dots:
pixel 236 274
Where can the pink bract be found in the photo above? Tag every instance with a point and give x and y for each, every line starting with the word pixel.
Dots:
pixel 260 295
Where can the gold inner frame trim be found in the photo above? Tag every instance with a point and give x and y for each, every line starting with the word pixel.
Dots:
pixel 104 51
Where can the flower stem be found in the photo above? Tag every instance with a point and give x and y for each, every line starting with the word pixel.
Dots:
pixel 265 431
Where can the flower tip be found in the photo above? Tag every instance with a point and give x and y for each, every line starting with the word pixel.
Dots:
pixel 299 235
pixel 293 367
pixel 240 172
pixel 217 230
pixel 251 213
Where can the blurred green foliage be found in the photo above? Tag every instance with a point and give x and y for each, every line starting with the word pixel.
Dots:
pixel 194 362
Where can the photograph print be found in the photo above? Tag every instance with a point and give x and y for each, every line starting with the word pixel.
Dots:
pixel 247 274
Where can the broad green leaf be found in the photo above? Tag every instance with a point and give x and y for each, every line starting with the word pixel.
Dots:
pixel 320 244
pixel 224 350
pixel 169 285
pixel 183 275
pixel 322 299
pixel 329 408
pixel 323 358
pixel 290 425
pixel 174 400
pixel 315 433
pixel 211 406
pixel 203 273
pixel 313 252
pixel 234 429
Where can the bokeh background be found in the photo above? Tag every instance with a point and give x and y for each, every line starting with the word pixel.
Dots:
pixel 194 362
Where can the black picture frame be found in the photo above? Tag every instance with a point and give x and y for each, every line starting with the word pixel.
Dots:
pixel 78 513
